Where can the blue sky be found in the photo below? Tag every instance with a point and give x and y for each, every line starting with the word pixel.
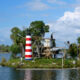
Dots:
pixel 61 15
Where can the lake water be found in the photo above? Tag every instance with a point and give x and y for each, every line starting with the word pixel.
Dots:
pixel 14 74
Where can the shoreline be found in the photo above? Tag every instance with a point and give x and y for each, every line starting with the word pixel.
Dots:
pixel 41 63
pixel 46 69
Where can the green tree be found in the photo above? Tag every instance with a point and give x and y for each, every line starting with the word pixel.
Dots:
pixel 4 48
pixel 53 41
pixel 38 30
pixel 78 40
pixel 15 49
pixel 15 32
pixel 73 50
pixel 18 37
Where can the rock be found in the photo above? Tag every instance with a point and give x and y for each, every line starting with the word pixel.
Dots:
pixel 53 63
pixel 13 64
pixel 33 61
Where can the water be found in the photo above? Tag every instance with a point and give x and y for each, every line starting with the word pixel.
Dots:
pixel 14 74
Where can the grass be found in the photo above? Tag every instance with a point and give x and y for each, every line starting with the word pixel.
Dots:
pixel 40 63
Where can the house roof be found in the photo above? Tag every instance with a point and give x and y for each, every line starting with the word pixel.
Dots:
pixel 57 48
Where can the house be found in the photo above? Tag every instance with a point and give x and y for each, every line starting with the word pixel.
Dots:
pixel 58 52
pixel 47 42
pixel 50 49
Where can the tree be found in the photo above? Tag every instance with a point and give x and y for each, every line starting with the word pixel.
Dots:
pixel 14 35
pixel 15 49
pixel 73 50
pixel 18 38
pixel 38 30
pixel 78 40
pixel 4 48
pixel 53 41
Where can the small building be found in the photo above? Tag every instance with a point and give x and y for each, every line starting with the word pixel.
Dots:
pixel 47 42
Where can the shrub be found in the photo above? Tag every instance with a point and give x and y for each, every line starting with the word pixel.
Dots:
pixel 3 61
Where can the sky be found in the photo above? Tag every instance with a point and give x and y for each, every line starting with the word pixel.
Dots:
pixel 63 17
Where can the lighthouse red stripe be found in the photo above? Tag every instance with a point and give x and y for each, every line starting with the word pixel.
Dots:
pixel 28 45
pixel 28 39
pixel 28 55
pixel 28 50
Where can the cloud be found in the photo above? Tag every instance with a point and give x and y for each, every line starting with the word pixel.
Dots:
pixel 57 2
pixel 67 27
pixel 77 31
pixel 37 5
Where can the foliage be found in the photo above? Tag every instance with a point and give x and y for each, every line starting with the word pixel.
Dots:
pixel 78 40
pixel 42 63
pixel 53 41
pixel 15 49
pixel 3 61
pixel 15 35
pixel 4 48
pixel 38 30
pixel 73 50
pixel 18 38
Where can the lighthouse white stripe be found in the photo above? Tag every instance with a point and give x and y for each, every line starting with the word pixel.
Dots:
pixel 28 47
pixel 28 53
pixel 28 42
pixel 28 36
pixel 28 57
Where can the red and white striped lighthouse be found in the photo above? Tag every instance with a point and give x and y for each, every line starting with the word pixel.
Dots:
pixel 28 48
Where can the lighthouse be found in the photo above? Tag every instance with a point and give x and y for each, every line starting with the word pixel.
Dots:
pixel 28 48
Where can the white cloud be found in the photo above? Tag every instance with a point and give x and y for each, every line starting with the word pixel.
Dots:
pixel 37 5
pixel 57 2
pixel 67 27
pixel 77 31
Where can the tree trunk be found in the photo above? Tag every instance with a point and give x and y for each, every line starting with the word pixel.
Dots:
pixel 22 50
pixel 38 51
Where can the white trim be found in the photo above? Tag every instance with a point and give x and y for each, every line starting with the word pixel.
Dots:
pixel 28 42
pixel 28 53
pixel 28 36
pixel 27 47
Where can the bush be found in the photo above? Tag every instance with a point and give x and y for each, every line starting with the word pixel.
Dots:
pixel 78 63
pixel 3 61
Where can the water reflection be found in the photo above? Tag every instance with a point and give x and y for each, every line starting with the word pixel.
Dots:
pixel 28 75
pixel 65 74
pixel 16 74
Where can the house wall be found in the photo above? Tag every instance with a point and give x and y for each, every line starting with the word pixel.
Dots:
pixel 47 43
